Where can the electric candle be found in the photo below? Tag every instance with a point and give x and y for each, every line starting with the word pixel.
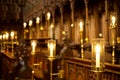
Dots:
pixel 81 26
pixel 24 24
pixel 51 49
pixel 113 20
pixel 7 36
pixel 97 55
pixel 30 23
pixel 33 46
pixel 12 35
pixel 48 16
pixel 37 20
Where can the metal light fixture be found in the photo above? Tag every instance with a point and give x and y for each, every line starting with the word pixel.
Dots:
pixel 52 54
pixel 24 24
pixel 48 15
pixel 30 29
pixel 98 55
pixel 7 37
pixel 24 27
pixel 33 45
pixel 30 23
pixel 113 23
pixel 37 20
pixel 12 39
pixel 81 38
pixel 52 49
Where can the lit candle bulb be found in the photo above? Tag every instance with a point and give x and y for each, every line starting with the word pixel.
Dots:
pixel 37 20
pixel 97 55
pixel 33 46
pixel 81 26
pixel 7 36
pixel 12 35
pixel 0 37
pixel 51 49
pixel 113 20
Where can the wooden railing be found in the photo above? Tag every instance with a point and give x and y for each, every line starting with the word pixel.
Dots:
pixel 80 69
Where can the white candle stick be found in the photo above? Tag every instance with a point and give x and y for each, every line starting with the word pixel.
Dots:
pixel 113 20
pixel 97 55
pixel 51 50
pixel 81 26
pixel 33 46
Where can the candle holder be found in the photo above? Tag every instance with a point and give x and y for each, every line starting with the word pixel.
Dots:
pixel 98 55
pixel 52 49
pixel 24 29
pixel 33 45
pixel 30 29
pixel 52 53
pixel 113 24
pixel 81 38
pixel 12 34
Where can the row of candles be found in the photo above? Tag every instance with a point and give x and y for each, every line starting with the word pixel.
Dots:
pixel 8 38
pixel 5 36
pixel 97 52
pixel 38 19
pixel 98 49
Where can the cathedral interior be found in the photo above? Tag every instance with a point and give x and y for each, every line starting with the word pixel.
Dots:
pixel 59 40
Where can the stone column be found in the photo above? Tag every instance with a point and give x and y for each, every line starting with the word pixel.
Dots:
pixel 53 22
pixel 53 18
pixel 72 28
pixel 86 21
pixel 106 16
pixel 61 20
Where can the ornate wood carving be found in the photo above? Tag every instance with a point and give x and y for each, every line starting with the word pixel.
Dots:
pixel 80 69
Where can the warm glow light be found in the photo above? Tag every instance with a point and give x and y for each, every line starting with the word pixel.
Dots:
pixel 86 39
pixel 63 32
pixel 81 26
pixel 12 35
pixel 51 48
pixel 30 23
pixel 100 34
pixel 24 24
pixel 7 35
pixel 4 36
pixel 113 20
pixel 97 55
pixel 52 26
pixel 33 44
pixel 0 37
pixel 48 16
pixel 41 28
pixel 37 20
pixel 33 72
pixel 72 25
